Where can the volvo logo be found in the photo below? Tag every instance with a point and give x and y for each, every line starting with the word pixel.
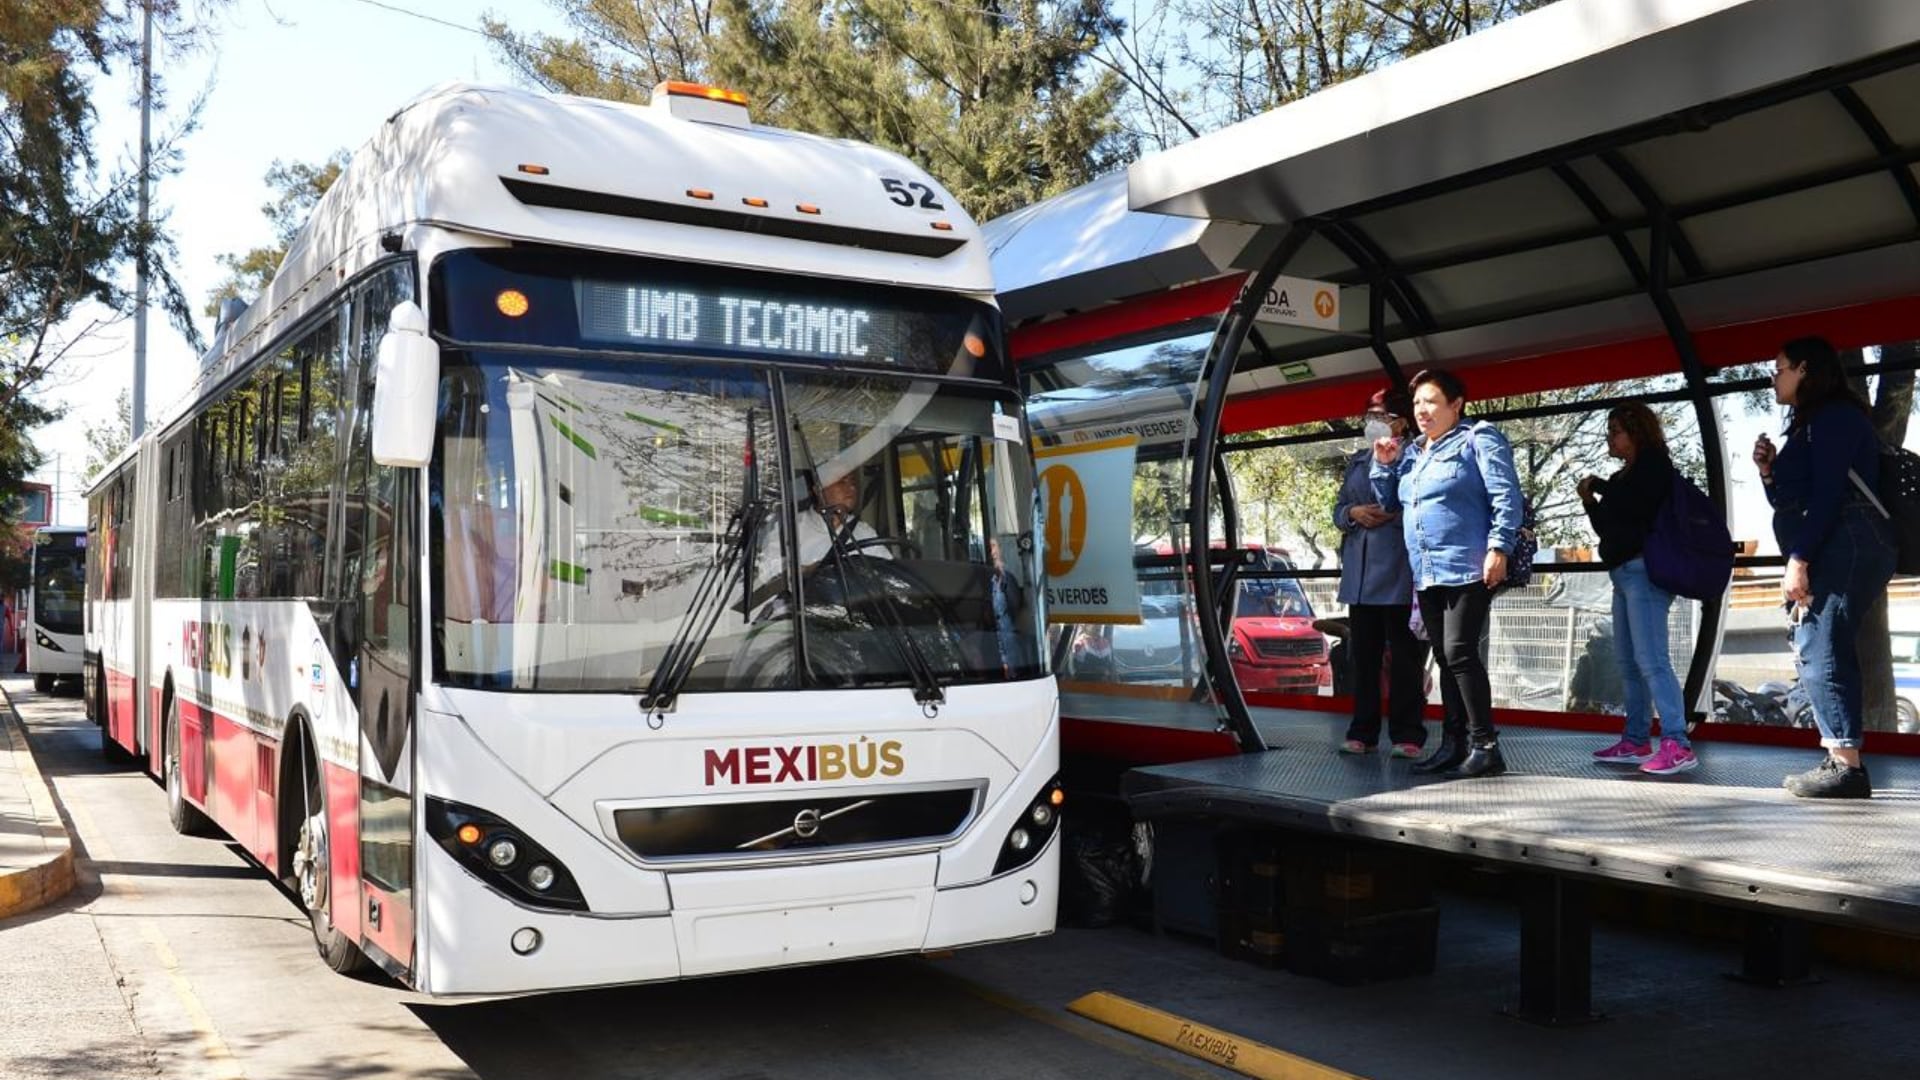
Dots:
pixel 806 824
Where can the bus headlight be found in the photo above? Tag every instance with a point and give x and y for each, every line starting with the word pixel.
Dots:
pixel 1031 831
pixel 495 851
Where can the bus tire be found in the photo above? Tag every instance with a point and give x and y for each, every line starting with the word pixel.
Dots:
pixel 43 683
pixel 187 819
pixel 311 862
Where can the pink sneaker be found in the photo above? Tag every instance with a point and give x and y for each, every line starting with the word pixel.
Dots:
pixel 1355 746
pixel 1624 752
pixel 1672 758
pixel 1406 750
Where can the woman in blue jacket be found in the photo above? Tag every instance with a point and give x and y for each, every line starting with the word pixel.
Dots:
pixel 1459 498
pixel 1377 587
pixel 1839 548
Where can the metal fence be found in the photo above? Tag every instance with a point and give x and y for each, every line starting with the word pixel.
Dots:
pixel 1550 645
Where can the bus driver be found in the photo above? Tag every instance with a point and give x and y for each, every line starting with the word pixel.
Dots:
pixel 837 516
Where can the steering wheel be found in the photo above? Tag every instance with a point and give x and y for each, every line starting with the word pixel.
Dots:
pixel 907 547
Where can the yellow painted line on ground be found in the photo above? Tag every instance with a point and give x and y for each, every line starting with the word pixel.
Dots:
pixel 1222 1048
pixel 212 1046
pixel 219 1057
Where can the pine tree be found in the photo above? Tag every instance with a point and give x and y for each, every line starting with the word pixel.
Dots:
pixel 996 99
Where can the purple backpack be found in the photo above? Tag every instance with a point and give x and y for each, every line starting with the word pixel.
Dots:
pixel 1689 551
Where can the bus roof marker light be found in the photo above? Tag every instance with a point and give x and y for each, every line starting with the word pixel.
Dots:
pixel 754 201
pixel 700 193
pixel 806 208
pixel 942 226
pixel 702 103
pixel 533 170
pixel 512 303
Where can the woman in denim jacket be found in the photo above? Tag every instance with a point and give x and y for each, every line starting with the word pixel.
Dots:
pixel 1459 499
pixel 1839 549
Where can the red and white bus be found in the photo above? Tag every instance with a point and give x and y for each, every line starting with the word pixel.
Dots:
pixel 484 590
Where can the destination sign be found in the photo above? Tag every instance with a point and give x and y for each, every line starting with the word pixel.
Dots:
pixel 691 317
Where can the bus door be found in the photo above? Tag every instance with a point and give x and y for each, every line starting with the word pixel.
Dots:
pixel 380 676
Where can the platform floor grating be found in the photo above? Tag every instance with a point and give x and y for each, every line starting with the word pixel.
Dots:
pixel 1727 829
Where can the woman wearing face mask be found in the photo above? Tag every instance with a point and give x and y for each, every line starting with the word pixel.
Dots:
pixel 1377 586
pixel 1462 515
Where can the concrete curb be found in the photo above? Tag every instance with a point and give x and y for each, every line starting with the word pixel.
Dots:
pixel 42 877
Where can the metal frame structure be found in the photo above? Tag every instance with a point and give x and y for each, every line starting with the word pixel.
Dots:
pixel 1646 229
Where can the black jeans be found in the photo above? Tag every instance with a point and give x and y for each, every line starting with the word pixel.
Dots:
pixel 1371 630
pixel 1456 616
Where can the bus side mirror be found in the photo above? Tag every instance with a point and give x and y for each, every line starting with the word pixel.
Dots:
pixel 406 384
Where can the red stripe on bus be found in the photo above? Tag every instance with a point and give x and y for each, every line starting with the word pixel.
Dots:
pixel 343 842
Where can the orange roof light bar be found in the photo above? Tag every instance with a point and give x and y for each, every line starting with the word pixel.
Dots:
pixel 534 170
pixel 752 201
pixel 699 193
pixel 806 208
pixel 711 93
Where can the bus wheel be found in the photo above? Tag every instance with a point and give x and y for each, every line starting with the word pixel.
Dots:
pixel 187 820
pixel 311 862
pixel 43 683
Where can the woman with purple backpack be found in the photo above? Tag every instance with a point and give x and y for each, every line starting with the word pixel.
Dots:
pixel 1623 508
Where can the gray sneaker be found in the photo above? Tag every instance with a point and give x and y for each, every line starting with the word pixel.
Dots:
pixel 1831 779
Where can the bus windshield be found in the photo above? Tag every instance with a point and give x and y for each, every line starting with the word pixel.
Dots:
pixel 59 580
pixel 598 514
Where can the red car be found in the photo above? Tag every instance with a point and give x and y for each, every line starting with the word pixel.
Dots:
pixel 1274 645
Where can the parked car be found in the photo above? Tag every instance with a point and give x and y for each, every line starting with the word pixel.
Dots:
pixel 1272 641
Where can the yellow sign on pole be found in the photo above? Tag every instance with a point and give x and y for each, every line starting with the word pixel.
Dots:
pixel 1087 500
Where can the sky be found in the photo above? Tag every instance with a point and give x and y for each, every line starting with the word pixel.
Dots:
pixel 291 80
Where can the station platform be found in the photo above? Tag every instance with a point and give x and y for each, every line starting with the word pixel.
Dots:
pixel 1726 831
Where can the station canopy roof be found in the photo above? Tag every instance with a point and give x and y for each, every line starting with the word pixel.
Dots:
pixel 1501 192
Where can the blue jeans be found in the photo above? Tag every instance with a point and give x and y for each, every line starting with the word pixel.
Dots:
pixel 1845 577
pixel 1646 666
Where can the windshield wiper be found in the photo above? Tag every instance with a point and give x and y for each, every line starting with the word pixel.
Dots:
pixel 732 563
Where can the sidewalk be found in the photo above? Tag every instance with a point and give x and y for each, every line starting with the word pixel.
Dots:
pixel 36 857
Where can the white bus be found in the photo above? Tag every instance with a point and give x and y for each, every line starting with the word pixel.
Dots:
pixel 54 605
pixel 464 591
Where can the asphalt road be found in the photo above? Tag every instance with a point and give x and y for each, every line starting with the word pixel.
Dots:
pixel 176 957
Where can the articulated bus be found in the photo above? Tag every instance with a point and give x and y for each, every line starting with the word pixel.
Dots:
pixel 54 605
pixel 497 587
